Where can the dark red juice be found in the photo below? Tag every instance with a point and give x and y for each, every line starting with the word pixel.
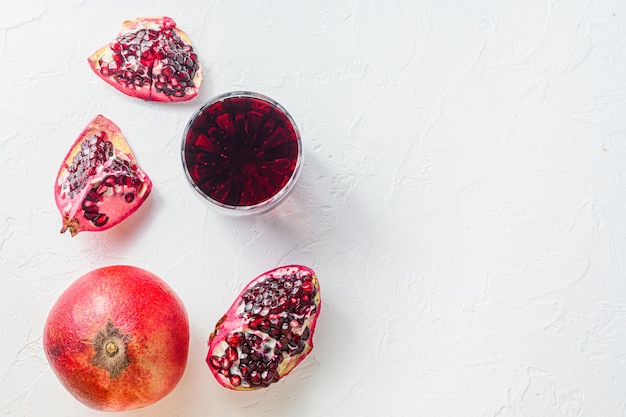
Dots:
pixel 241 150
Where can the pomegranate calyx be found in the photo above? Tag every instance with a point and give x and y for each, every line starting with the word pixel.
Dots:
pixel 70 224
pixel 110 350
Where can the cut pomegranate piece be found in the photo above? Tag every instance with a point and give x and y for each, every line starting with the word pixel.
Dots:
pixel 99 183
pixel 150 59
pixel 267 331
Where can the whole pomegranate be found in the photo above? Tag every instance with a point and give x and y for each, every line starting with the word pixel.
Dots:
pixel 267 331
pixel 150 59
pixel 118 338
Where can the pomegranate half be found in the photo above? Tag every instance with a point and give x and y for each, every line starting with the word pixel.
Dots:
pixel 150 59
pixel 99 183
pixel 267 331
pixel 118 338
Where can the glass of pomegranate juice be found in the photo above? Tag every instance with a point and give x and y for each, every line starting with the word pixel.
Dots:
pixel 242 152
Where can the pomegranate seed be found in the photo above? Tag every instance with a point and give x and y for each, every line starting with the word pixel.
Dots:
pixel 234 339
pixel 267 377
pixel 235 380
pixel 88 204
pixel 101 188
pixel 256 323
pixel 231 354
pixel 118 59
pixel 101 220
pixel 306 334
pixel 255 378
pixel 146 58
pixel 215 362
pixel 265 325
pixel 182 76
pixel 90 215
pixel 256 341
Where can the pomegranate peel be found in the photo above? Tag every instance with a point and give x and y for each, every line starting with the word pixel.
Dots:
pixel 117 338
pixel 267 331
pixel 99 183
pixel 150 59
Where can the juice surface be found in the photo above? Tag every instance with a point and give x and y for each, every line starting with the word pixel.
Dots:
pixel 241 151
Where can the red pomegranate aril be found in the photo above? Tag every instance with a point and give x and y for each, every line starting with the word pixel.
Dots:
pixel 235 380
pixel 100 220
pixel 307 286
pixel 91 215
pixel 255 378
pixel 231 354
pixel 216 362
pixel 305 334
pixel 234 339
pixel 256 323
pixel 256 357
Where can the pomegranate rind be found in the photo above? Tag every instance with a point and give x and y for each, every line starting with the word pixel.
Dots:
pixel 144 308
pixel 147 91
pixel 234 322
pixel 70 208
pixel 150 22
pixel 101 124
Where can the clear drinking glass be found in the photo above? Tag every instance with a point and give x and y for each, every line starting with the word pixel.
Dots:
pixel 242 153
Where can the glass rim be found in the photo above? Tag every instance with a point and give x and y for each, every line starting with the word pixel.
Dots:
pixel 275 199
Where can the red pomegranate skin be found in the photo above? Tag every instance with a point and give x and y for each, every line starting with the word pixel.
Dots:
pixel 146 321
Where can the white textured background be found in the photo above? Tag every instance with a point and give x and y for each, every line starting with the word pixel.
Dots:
pixel 463 200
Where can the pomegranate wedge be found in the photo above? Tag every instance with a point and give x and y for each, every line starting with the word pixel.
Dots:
pixel 150 59
pixel 267 331
pixel 99 183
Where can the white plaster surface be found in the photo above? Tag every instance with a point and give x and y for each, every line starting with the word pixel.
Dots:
pixel 463 200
